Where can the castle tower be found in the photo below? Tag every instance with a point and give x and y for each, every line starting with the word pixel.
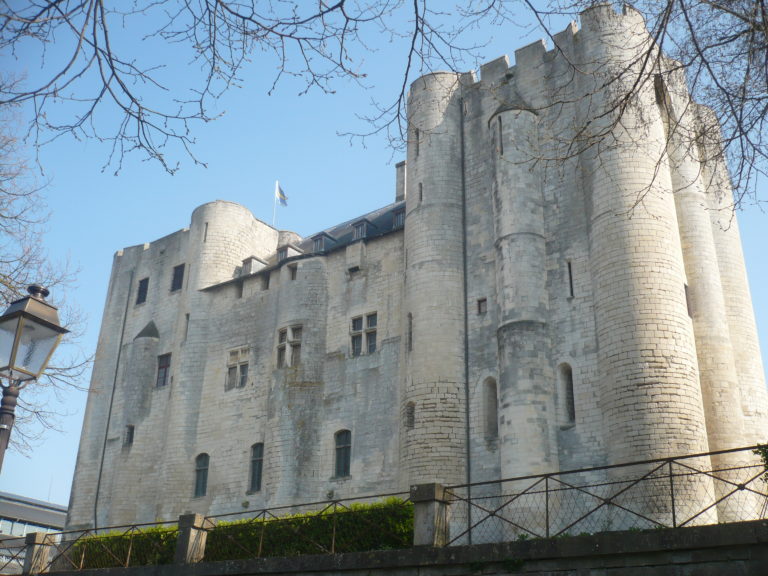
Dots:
pixel 646 348
pixel 525 372
pixel 433 447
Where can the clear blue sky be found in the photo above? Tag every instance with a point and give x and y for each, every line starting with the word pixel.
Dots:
pixel 259 139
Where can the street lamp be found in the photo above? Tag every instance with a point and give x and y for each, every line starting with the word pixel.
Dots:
pixel 29 333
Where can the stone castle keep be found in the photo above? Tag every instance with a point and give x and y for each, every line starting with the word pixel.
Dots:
pixel 558 284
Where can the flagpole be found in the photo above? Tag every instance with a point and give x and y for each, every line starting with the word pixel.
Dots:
pixel 274 204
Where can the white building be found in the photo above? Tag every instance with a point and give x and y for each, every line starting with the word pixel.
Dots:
pixel 525 305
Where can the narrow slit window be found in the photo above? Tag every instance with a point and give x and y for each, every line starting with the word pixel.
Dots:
pixel 409 333
pixel 491 409
pixel 201 475
pixel 421 193
pixel 688 303
pixel 417 141
pixel 205 233
pixel 257 467
pixel 501 138
pixel 567 402
pixel 570 279
pixel 343 441
pixel 129 434
pixel 410 415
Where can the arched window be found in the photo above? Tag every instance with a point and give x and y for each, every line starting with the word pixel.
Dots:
pixel 201 474
pixel 567 402
pixel 343 440
pixel 410 415
pixel 491 409
pixel 257 467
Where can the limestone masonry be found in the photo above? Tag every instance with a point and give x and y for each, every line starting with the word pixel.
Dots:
pixel 558 284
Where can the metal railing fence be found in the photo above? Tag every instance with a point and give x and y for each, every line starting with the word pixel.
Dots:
pixel 12 553
pixel 706 488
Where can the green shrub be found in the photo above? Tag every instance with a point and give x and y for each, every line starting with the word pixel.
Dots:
pixel 358 528
pixel 149 546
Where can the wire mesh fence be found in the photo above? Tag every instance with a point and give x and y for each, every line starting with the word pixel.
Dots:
pixel 725 486
pixel 330 527
pixel 12 553
pixel 116 546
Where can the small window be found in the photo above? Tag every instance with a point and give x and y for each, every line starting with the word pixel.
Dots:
pixel 501 138
pixel 482 306
pixel 363 329
pixel 353 271
pixel 239 289
pixel 410 415
pixel 567 401
pixel 359 231
pixel 491 409
pixel 257 467
pixel 178 278
pixel 289 346
pixel 237 368
pixel 141 295
pixel 205 233
pixel 417 141
pixel 186 326
pixel 201 475
pixel 421 193
pixel 570 279
pixel 129 432
pixel 343 441
pixel 688 303
pixel 318 244
pixel 282 254
pixel 399 219
pixel 163 370
pixel 265 281
pixel 293 270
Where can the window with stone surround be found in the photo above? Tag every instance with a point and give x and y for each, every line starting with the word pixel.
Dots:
pixel 130 431
pixel 289 346
pixel 141 294
pixel 257 467
pixel 410 415
pixel 177 279
pixel 163 370
pixel 363 334
pixel 201 474
pixel 237 368
pixel 482 306
pixel 343 442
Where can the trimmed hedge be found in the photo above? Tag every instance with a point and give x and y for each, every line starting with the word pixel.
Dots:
pixel 150 546
pixel 360 527
pixel 357 528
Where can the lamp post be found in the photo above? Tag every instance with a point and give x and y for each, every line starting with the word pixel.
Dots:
pixel 29 333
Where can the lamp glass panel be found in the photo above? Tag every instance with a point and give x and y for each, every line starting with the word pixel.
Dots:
pixel 35 345
pixel 7 334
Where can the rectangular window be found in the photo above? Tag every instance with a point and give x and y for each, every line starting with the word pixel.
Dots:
pixel 399 219
pixel 363 329
pixel 186 326
pixel 343 441
pixel 482 306
pixel 357 344
pixel 129 432
pixel 237 368
pixel 318 244
pixel 359 231
pixel 293 270
pixel 163 370
pixel 257 467
pixel 289 346
pixel 178 278
pixel 570 279
pixel 282 254
pixel 265 281
pixel 141 295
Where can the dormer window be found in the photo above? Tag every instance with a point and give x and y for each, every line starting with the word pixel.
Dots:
pixel 318 244
pixel 282 254
pixel 398 219
pixel 360 230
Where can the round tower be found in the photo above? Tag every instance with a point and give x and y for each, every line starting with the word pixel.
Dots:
pixel 649 387
pixel 433 442
pixel 525 373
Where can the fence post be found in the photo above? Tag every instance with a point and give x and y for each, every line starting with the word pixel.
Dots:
pixel 193 532
pixel 430 515
pixel 36 553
